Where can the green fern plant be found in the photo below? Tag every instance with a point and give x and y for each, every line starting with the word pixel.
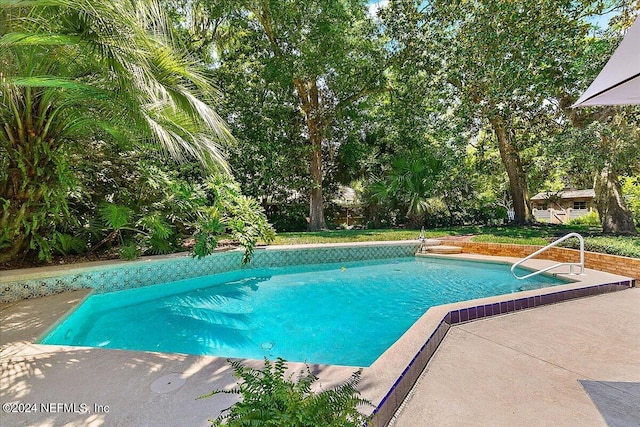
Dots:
pixel 269 398
pixel 66 244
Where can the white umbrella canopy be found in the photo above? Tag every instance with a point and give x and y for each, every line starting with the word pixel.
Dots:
pixel 619 81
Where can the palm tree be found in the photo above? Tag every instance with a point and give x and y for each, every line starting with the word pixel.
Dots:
pixel 79 70
pixel 411 185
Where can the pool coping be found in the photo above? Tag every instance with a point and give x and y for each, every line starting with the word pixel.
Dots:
pixel 435 323
pixel 8 276
pixel 387 382
pixel 107 276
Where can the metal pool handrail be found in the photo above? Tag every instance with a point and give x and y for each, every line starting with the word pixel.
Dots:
pixel 552 244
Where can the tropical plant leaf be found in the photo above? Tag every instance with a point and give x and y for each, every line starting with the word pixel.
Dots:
pixel 129 251
pixel 31 39
pixel 159 245
pixel 66 244
pixel 114 216
pixel 155 225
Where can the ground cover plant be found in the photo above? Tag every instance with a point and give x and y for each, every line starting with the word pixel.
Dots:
pixel 271 398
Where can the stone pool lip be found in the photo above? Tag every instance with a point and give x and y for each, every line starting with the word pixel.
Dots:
pixel 8 276
pixel 107 276
pixel 385 382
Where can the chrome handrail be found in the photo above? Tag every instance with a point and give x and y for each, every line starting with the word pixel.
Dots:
pixel 552 244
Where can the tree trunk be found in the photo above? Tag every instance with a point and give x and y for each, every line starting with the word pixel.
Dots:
pixel 14 240
pixel 615 217
pixel 310 102
pixel 517 178
pixel 25 205
pixel 31 188
pixel 316 208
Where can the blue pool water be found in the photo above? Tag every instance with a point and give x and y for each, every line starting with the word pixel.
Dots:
pixel 341 314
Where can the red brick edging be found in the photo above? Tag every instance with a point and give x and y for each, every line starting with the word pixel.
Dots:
pixel 623 266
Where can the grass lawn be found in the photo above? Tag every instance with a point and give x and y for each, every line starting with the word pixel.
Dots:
pixel 530 235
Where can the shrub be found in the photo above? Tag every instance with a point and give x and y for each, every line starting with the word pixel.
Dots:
pixel 270 399
pixel 592 219
pixel 168 211
pixel 289 217
pixel 241 216
pixel 631 191
pixel 622 246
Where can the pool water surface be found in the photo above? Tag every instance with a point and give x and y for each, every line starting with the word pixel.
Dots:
pixel 340 314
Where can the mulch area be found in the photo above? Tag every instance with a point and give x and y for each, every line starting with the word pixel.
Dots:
pixel 58 260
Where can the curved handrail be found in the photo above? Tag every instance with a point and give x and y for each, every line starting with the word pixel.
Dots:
pixel 552 244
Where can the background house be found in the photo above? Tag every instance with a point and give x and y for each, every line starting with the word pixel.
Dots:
pixel 561 206
pixel 348 214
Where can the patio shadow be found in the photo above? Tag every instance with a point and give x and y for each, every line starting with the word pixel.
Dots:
pixel 618 402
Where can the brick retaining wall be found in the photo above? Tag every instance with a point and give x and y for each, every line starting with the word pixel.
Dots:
pixel 623 266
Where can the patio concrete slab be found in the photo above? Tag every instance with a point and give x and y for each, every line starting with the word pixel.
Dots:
pixel 569 364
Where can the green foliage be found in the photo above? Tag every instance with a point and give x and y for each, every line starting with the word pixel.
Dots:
pixel 622 246
pixel 114 216
pixel 164 210
pixel 91 89
pixel 289 216
pixel 76 72
pixel 491 66
pixel 208 228
pixel 242 216
pixel 631 191
pixel 409 185
pixel 129 251
pixel 297 74
pixel 66 244
pixel 135 202
pixel 269 398
pixel 592 219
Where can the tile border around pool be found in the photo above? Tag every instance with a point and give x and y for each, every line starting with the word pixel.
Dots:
pixel 470 311
pixel 16 285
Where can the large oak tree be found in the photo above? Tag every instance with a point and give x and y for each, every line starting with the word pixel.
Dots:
pixel 325 54
pixel 496 63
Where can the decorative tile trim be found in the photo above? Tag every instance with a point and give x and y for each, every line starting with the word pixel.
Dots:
pixel 394 398
pixel 488 310
pixel 152 271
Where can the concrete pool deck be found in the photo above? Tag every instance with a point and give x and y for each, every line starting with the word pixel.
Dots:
pixel 569 364
pixel 98 387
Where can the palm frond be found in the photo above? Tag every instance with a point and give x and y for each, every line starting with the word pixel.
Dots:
pixel 109 66
pixel 48 81
pixel 30 39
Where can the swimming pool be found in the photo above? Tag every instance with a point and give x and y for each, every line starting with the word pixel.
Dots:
pixel 339 314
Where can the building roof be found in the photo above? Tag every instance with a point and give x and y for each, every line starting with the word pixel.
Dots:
pixel 346 196
pixel 566 194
